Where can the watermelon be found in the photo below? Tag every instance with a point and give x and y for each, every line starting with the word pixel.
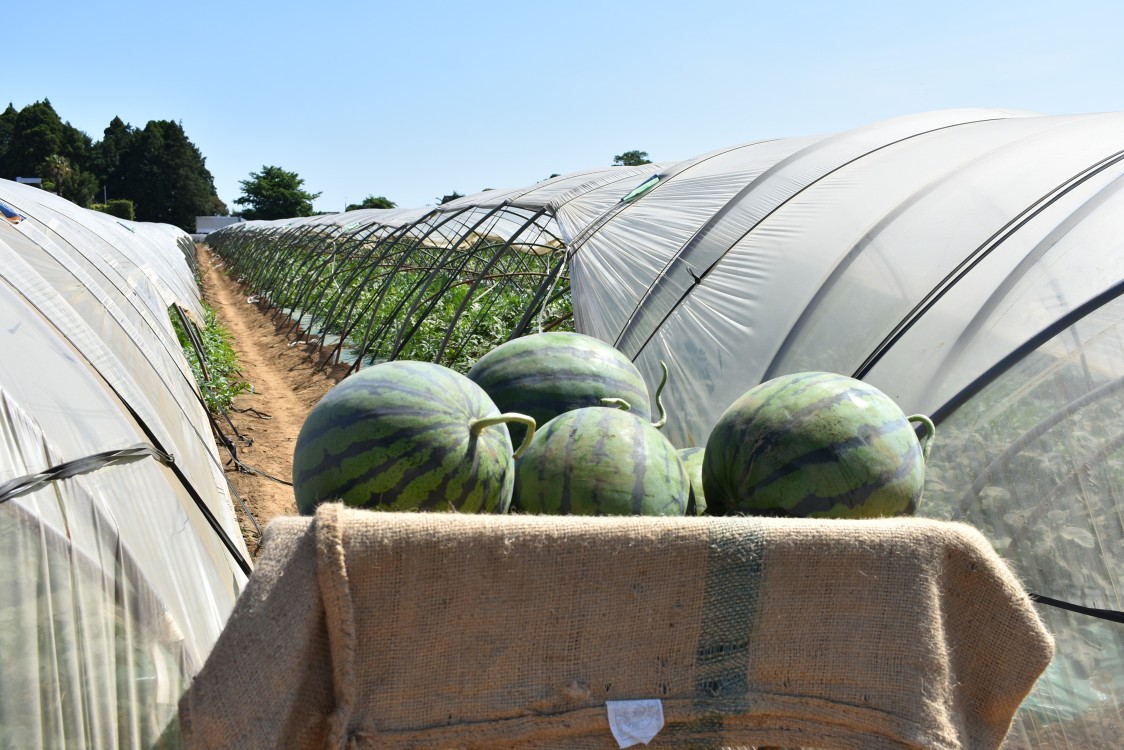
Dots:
pixel 406 435
pixel 692 459
pixel 815 444
pixel 546 374
pixel 597 461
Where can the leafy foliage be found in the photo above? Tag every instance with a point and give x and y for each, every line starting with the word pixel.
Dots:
pixel 108 153
pixel 216 372
pixel 631 159
pixel 274 193
pixel 366 300
pixel 372 202
pixel 449 198
pixel 33 135
pixel 7 129
pixel 122 209
pixel 35 142
pixel 157 167
pixel 165 175
pixel 57 169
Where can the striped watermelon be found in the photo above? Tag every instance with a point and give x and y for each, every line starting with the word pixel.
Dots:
pixel 815 444
pixel 599 462
pixel 692 459
pixel 406 435
pixel 546 374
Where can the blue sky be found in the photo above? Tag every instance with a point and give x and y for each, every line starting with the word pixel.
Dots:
pixel 416 100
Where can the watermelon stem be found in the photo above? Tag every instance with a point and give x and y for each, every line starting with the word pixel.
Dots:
pixel 659 398
pixel 620 403
pixel 930 433
pixel 478 425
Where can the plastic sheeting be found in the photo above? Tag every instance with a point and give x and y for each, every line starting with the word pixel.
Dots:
pixel 967 262
pixel 120 577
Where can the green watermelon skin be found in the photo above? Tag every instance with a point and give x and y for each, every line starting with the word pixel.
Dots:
pixel 816 445
pixel 546 374
pixel 600 462
pixel 692 459
pixel 396 436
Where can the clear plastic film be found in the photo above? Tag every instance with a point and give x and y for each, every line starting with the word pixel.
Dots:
pixel 966 262
pixel 116 583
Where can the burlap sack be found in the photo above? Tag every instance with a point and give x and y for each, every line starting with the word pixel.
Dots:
pixel 379 630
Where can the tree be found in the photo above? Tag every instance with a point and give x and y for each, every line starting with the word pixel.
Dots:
pixel 36 134
pixel 80 188
pixel 76 146
pixel 450 197
pixel 274 193
pixel 7 129
pixel 158 168
pixel 106 156
pixel 218 208
pixel 372 202
pixel 165 176
pixel 631 159
pixel 57 170
pixel 67 180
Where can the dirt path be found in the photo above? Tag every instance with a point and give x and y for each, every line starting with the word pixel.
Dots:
pixel 285 388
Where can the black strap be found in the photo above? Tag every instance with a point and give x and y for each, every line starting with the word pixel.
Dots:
pixel 20 485
pixel 1111 615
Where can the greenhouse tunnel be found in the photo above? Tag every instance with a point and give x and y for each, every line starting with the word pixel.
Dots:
pixel 968 263
pixel 124 556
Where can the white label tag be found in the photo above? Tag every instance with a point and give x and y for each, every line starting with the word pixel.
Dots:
pixel 635 722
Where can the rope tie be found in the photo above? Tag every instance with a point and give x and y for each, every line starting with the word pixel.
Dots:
pixel 31 482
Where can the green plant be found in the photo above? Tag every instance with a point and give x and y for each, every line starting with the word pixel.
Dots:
pixel 212 358
pixel 365 298
pixel 121 208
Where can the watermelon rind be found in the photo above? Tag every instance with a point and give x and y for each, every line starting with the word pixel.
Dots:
pixel 399 436
pixel 600 462
pixel 692 459
pixel 817 445
pixel 546 374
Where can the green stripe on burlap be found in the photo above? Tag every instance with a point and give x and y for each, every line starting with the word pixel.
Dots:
pixel 734 575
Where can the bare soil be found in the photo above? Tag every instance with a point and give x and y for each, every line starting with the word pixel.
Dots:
pixel 286 383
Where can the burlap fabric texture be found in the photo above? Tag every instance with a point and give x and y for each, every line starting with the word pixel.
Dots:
pixel 377 630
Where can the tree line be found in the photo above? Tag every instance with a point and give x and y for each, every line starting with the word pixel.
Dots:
pixel 275 193
pixel 154 173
